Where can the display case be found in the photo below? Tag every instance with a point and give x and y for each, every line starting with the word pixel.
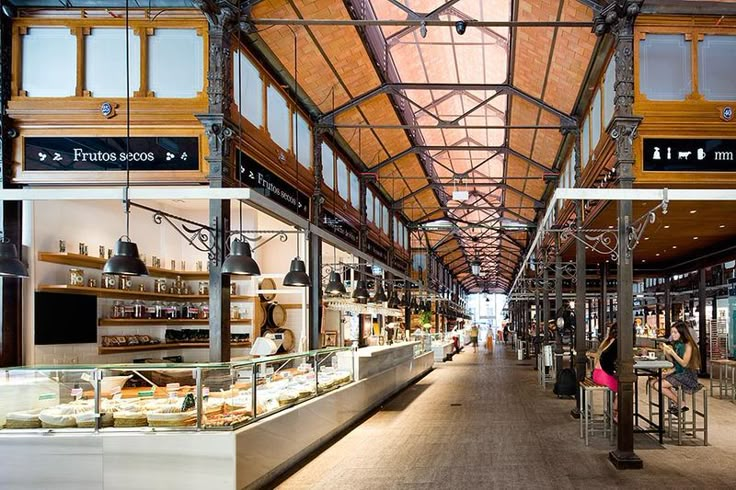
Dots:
pixel 153 397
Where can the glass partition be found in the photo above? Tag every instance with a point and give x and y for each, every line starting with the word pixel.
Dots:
pixel 163 397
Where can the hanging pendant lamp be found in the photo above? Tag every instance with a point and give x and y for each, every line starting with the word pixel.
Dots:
pixel 380 296
pixel 10 264
pixel 240 262
pixel 297 275
pixel 126 260
pixel 335 285
pixel 361 291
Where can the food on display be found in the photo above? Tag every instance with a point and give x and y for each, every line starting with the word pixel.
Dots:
pixel 23 420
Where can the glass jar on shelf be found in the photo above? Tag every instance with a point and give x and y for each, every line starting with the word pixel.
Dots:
pixel 171 312
pixel 234 312
pixel 204 311
pixel 159 310
pixel 76 277
pixel 160 286
pixel 139 309
pixel 128 310
pixel 118 311
pixel 192 311
pixel 204 288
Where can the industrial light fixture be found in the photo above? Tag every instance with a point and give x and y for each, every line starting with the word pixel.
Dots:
pixel 10 264
pixel 460 27
pixel 297 275
pixel 335 285
pixel 126 260
pixel 240 262
pixel 361 292
pixel 380 296
pixel 423 29
pixel 475 267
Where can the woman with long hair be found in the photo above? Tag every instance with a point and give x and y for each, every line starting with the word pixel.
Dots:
pixel 604 372
pixel 685 355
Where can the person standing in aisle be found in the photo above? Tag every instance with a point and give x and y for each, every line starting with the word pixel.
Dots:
pixel 474 337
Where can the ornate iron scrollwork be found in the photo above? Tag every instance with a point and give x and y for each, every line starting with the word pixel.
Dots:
pixel 604 242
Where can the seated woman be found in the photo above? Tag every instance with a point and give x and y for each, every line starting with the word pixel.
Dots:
pixel 604 372
pixel 685 356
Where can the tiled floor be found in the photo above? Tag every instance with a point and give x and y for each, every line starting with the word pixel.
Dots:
pixel 482 421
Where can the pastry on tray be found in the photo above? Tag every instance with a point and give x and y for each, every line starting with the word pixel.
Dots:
pixel 62 416
pixel 227 419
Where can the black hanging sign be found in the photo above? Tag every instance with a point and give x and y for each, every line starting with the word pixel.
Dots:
pixel 265 182
pixel 400 265
pixel 689 155
pixel 340 228
pixel 377 251
pixel 109 153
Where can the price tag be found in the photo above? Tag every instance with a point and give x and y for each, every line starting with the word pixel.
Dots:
pixel 86 377
pixel 172 386
pixel 76 392
pixel 47 396
pixel 145 393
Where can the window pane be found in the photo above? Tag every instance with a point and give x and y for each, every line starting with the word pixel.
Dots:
pixel 369 205
pixel 610 92
pixel 104 69
pixel 377 209
pixel 665 67
pixel 303 140
pixel 586 142
pixel 386 221
pixel 342 179
pixel 354 191
pixel 249 81
pixel 717 67
pixel 328 166
pixel 175 63
pixel 595 121
pixel 49 51
pixel 278 117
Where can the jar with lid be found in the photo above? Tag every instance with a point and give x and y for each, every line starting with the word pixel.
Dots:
pixel 159 285
pixel 233 288
pixel 234 312
pixel 109 281
pixel 179 285
pixel 192 311
pixel 76 277
pixel 171 312
pixel 139 309
pixel 128 310
pixel 124 283
pixel 117 309
pixel 204 311
pixel 151 311
pixel 159 310
pixel 204 288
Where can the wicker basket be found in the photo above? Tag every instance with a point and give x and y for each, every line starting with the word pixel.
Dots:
pixel 23 424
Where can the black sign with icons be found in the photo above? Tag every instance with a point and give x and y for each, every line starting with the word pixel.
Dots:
pixel 689 155
pixel 109 153
pixel 265 182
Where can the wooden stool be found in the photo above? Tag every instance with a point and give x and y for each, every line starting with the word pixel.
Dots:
pixel 590 421
pixel 686 423
pixel 724 382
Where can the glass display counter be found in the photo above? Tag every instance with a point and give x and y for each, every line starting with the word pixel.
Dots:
pixel 154 397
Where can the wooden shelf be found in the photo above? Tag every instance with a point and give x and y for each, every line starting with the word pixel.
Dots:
pixel 124 322
pixel 131 294
pixel 91 262
pixel 163 346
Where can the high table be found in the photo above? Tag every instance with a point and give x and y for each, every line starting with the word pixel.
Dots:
pixel 650 367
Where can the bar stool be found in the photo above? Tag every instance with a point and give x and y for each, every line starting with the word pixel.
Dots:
pixel 686 423
pixel 590 421
pixel 725 380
